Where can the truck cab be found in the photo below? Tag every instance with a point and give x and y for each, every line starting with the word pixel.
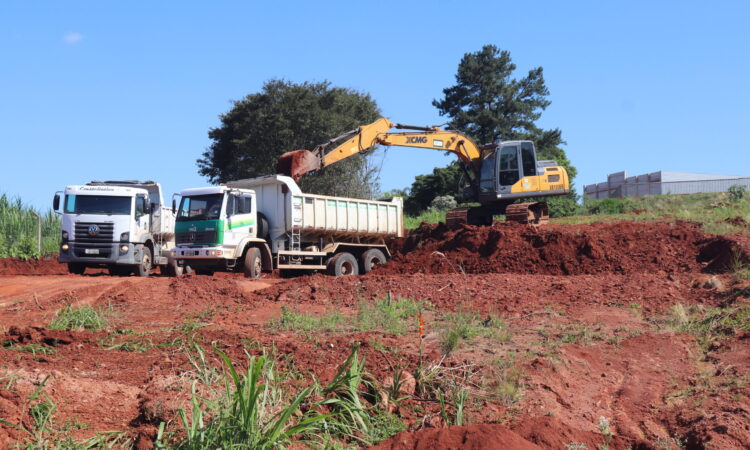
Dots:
pixel 214 228
pixel 120 225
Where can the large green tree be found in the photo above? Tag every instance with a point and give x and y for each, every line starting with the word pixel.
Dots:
pixel 286 116
pixel 488 103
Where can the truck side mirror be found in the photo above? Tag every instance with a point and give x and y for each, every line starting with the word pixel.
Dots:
pixel 56 202
pixel 174 204
pixel 151 208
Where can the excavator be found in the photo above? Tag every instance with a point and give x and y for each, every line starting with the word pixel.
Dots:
pixel 498 174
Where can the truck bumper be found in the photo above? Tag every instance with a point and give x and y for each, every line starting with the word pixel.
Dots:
pixel 216 258
pixel 110 254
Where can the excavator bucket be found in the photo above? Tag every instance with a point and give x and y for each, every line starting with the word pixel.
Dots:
pixel 297 163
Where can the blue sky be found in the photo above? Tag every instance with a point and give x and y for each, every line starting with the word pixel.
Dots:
pixel 111 90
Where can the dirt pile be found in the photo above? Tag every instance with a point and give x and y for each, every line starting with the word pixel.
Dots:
pixel 47 266
pixel 622 247
pixel 465 437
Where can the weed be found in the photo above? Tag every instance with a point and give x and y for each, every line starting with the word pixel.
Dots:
pixel 460 326
pixel 576 333
pixel 605 430
pixel 85 317
pixel 34 349
pixel 575 446
pixel 392 316
pixel 291 320
pixel 250 412
pixel 506 381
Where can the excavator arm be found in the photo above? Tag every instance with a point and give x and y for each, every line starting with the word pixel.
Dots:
pixel 299 162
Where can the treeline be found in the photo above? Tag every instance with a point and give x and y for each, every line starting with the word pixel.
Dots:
pixel 18 230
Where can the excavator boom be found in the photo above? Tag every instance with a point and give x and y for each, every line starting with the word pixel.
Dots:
pixel 299 162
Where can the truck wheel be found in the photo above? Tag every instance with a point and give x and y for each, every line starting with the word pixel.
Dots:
pixel 173 269
pixel 144 268
pixel 372 258
pixel 76 268
pixel 252 266
pixel 343 264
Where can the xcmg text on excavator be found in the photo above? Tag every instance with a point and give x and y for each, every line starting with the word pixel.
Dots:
pixel 498 174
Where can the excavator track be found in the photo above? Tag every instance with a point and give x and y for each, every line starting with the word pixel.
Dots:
pixel 532 213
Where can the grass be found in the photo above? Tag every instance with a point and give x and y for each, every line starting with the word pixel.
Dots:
pixel 34 349
pixel 258 408
pixel 464 326
pixel 507 381
pixel 82 318
pixel 709 324
pixel 429 216
pixel 712 210
pixel 18 230
pixel 391 316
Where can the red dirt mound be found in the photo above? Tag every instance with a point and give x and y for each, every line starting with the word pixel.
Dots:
pixel 465 437
pixel 621 247
pixel 49 266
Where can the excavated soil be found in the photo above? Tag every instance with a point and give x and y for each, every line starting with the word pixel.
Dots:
pixel 46 266
pixel 593 315
pixel 622 247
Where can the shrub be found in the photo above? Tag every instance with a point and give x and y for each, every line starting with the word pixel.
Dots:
pixel 737 193
pixel 443 203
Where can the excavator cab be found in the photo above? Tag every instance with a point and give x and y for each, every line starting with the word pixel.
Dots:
pixel 504 167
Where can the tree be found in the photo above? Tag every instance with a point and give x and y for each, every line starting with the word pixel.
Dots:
pixel 488 103
pixel 286 116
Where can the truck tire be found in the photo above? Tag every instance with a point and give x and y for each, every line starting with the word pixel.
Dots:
pixel 371 259
pixel 175 270
pixel 252 266
pixel 76 268
pixel 144 268
pixel 343 264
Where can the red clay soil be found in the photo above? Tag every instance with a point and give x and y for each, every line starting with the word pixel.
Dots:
pixel 621 247
pixel 472 437
pixel 45 266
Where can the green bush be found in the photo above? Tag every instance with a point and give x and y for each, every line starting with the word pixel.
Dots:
pixel 737 193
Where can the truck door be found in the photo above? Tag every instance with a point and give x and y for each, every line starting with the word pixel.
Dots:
pixel 240 218
pixel 141 217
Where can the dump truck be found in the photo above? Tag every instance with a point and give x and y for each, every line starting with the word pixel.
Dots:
pixel 260 224
pixel 121 225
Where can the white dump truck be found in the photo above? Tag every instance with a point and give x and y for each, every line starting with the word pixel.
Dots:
pixel 261 224
pixel 122 225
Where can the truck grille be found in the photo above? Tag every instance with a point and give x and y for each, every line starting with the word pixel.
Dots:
pixel 203 237
pixel 101 234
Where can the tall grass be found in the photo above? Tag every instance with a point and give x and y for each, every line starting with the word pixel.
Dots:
pixel 18 230
pixel 713 210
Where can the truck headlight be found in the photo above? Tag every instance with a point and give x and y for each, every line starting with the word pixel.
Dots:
pixel 64 247
pixel 65 235
pixel 124 237
pixel 123 248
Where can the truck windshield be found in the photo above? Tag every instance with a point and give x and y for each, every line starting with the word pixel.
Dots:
pixel 97 204
pixel 200 207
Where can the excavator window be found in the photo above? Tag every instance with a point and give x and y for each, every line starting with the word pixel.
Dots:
pixel 528 158
pixel 509 166
pixel 487 179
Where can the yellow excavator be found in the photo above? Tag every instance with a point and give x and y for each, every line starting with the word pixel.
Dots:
pixel 498 174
